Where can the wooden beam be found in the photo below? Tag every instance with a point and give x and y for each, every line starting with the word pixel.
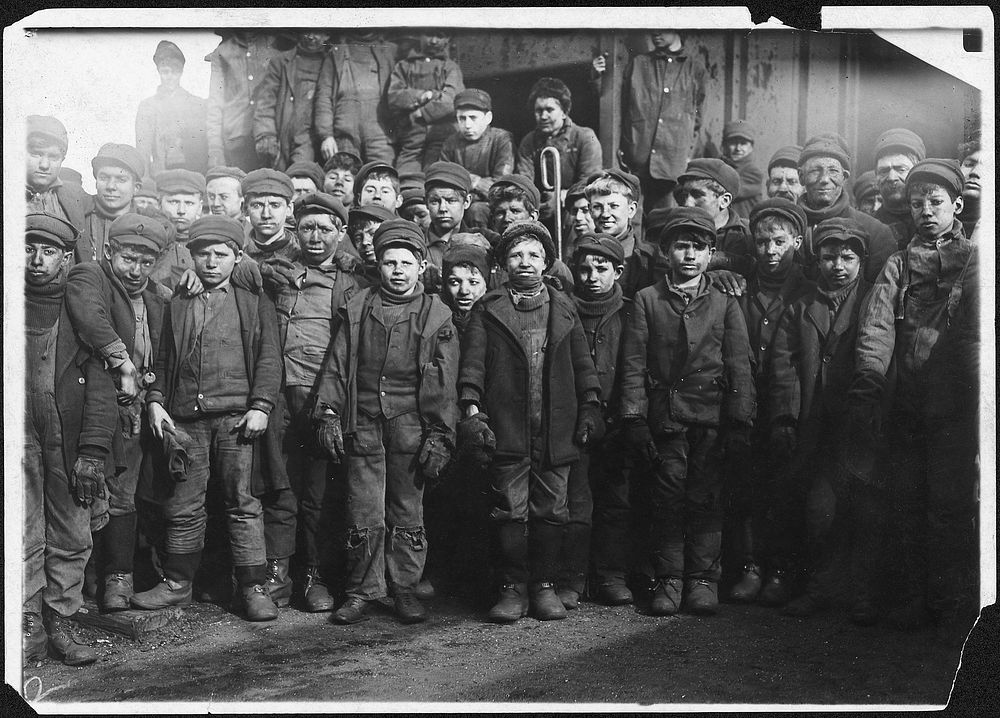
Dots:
pixel 132 623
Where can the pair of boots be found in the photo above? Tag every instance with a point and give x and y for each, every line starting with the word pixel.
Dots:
pixel 406 603
pixel 48 633
pixel 774 590
pixel 316 596
pixel 517 599
pixel 698 596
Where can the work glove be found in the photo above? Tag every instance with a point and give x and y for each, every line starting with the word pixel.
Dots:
pixel 476 439
pixel 783 440
pixel 434 456
pixel 278 272
pixel 130 419
pixel 87 479
pixel 589 424
pixel 247 275
pixel 267 148
pixel 330 435
pixel 432 279
pixel 736 443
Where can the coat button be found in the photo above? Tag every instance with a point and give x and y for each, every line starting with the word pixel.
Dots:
pixel 826 360
pixel 201 396
pixel 652 152
pixel 765 321
pixel 666 90
pixel 249 77
pixel 382 393
pixel 82 380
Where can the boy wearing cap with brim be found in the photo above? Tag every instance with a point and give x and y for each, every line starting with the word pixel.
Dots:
pixel 362 223
pixel 378 183
pixel 755 481
pixel 70 422
pixel 812 367
pixel 267 201
pixel 530 396
pixel 737 152
pixel 448 194
pixel 687 403
pixel 217 377
pixel 146 195
pixel 118 311
pixel 338 176
pixel 181 194
pixel 224 192
pixel 918 347
pixel 170 125
pixel 386 407
pixel 896 151
pixel 783 174
pixel 44 191
pixel 866 196
pixel 306 177
pixel 577 220
pixel 118 172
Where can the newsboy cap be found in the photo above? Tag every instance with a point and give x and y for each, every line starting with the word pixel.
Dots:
pixel 524 229
pixel 472 254
pixel 694 218
pixel 411 196
pixel 399 232
pixel 900 140
pixel 120 156
pixel 576 191
pixel 603 245
pixel 449 174
pixel 626 178
pixel 367 169
pixel 307 169
pixel 70 175
pixel 475 98
pixel 523 184
pixel 781 208
pixel 371 211
pixel 133 228
pixel 50 229
pixel 268 181
pixel 167 51
pixel 223 171
pixel 939 171
pixel 827 144
pixel 180 182
pixel 320 203
pixel 864 186
pixel 712 169
pixel 653 223
pixel 148 189
pixel 841 229
pixel 787 156
pixel 50 128
pixel 213 229
pixel 477 239
pixel 739 128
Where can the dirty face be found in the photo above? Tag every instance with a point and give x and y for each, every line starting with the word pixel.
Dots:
pixel 784 182
pixel 579 216
pixel 447 207
pixel 933 210
pixel 318 235
pixel 890 178
pixel 43 263
pixel 132 264
pixel 596 274
pixel 688 255
pixel 472 123
pixel 839 265
pixel 400 269
pixel 972 171
pixel 45 159
pixel 115 187
pixel 214 263
pixel 549 115
pixel 824 179
pixel 362 232
pixel 267 213
pixel 340 183
pixel 182 209
pixel 699 193
pixel 506 213
pixel 775 248
pixel 526 258
pixel 466 286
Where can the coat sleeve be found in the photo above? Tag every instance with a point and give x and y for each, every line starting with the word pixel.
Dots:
pixel 216 100
pixel 588 385
pixel 590 160
pixel 145 129
pixel 90 314
pixel 502 163
pixel 401 97
pixel 100 409
pixel 472 372
pixel 265 110
pixel 524 163
pixel 162 362
pixel 438 392
pixel 635 341
pixel 881 245
pixel 784 378
pixel 326 94
pixel 877 328
pixel 268 369
pixel 331 384
pixel 442 105
pixel 739 404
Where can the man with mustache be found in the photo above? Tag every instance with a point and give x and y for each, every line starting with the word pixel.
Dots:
pixel 896 151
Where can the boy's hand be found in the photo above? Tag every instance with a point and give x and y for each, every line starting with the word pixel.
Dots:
pixel 426 97
pixel 247 276
pixel 328 148
pixel 128 382
pixel 330 435
pixel 434 456
pixel 267 148
pixel 87 480
pixel 158 416
pixel 277 272
pixel 728 282
pixel 130 419
pixel 589 424
pixel 189 285
pixel 252 424
pixel 476 439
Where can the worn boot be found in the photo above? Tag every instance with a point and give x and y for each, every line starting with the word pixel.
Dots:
pixel 118 591
pixel 545 604
pixel 666 597
pixel 569 598
pixel 748 587
pixel 257 603
pixel 35 640
pixel 408 606
pixel 425 590
pixel 63 645
pixel 351 611
pixel 776 589
pixel 315 594
pixel 614 592
pixel 279 585
pixel 175 588
pixel 513 601
pixel 702 597
pixel 513 604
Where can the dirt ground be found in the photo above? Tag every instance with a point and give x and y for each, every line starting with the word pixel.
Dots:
pixel 744 655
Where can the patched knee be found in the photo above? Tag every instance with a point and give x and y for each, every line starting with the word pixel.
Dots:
pixel 414 538
pixel 357 537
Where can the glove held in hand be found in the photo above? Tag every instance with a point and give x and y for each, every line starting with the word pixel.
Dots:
pixel 87 479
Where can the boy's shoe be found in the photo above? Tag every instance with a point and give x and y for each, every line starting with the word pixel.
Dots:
pixel 614 593
pixel 257 603
pixel 424 590
pixel 353 610
pixel 748 587
pixel 863 612
pixel 775 591
pixel 279 585
pixel 118 589
pixel 545 604
pixel 666 597
pixel 912 614
pixel 63 645
pixel 315 593
pixel 513 604
pixel 408 607
pixel 702 597
pixel 806 605
pixel 35 640
pixel 164 594
pixel 570 599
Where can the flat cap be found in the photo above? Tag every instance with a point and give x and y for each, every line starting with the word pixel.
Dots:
pixel 522 230
pixel 900 140
pixel 320 203
pixel 827 144
pixel 367 169
pixel 522 183
pixel 412 180
pixel 268 181
pixel 713 169
pixel 371 211
pixel 49 128
pixel 215 228
pixel 70 175
pixel 450 174
pixel 693 218
pixel 626 178
pixel 654 222
pixel 51 229
pixel 306 169
pixel 576 191
pixel 472 254
pixel 148 188
pixel 167 51
pixel 399 232
pixel 841 229
pixel 782 208
pixel 133 228
pixel 864 185
pixel 223 171
pixel 180 181
pixel 475 238
pixel 787 156
pixel 475 98
pixel 739 128
pixel 940 171
pixel 411 196
pixel 603 245
pixel 125 156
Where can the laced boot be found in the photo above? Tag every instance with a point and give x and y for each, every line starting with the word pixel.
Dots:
pixel 257 603
pixel 702 597
pixel 315 593
pixel 513 603
pixel 118 590
pixel 164 594
pixel 279 585
pixel 63 645
pixel 545 604
pixel 35 640
pixel 351 611
pixel 666 597
pixel 408 606
pixel 748 587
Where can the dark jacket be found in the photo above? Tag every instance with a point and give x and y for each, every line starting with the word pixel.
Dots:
pixel 605 342
pixel 751 185
pixel 75 203
pixel 170 131
pixel 734 246
pixel 643 268
pixel 490 157
pixel 414 75
pixel 494 375
pixel 686 363
pixel 900 223
pixel 579 154
pixel 336 110
pixel 284 107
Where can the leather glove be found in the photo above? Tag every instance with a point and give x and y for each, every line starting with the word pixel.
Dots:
pixel 589 425
pixel 87 479
pixel 247 276
pixel 476 439
pixel 783 441
pixel 278 272
pixel 330 435
pixel 267 148
pixel 434 456
pixel 432 279
pixel 130 419
pixel 736 442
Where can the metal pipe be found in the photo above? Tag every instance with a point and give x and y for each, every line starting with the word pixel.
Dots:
pixel 555 186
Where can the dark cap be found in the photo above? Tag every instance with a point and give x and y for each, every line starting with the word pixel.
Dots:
pixel 523 184
pixel 51 229
pixel 320 203
pixel 627 179
pixel 474 98
pixel 841 229
pixel 782 208
pixel 372 211
pixel 50 128
pixel 603 245
pixel 712 169
pixel 449 174
pixel 148 189
pixel 411 196
pixel 653 223
pixel 412 180
pixel 739 128
pixel 864 186
pixel 339 159
pixel 268 181
pixel 213 229
pixel 526 229
pixel 477 239
pixel 223 171
pixel 900 140
pixel 180 182
pixel 939 171
pixel 694 218
pixel 576 191
pixel 367 169
pixel 167 51
pixel 306 169
pixel 120 156
pixel 132 228
pixel 827 144
pixel 465 253
pixel 787 156
pixel 398 232
pixel 70 175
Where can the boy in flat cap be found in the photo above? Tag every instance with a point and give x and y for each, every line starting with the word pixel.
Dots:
pixel 224 192
pixel 812 367
pixel 783 174
pixel 530 396
pixel 918 343
pixel 421 97
pixel 118 311
pixel 577 220
pixel 350 112
pixel 216 377
pixel 70 420
pixel 306 177
pixel 362 223
pixel 737 151
pixel 755 483
pixel 267 201
pixel 447 192
pixel 118 173
pixel 687 402
pixel 896 151
pixel 338 176
pixel 378 183
pixel 282 113
pixel 386 408
pixel 866 196
pixel 44 191
pixel 181 195
pixel 170 125
pixel 146 195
